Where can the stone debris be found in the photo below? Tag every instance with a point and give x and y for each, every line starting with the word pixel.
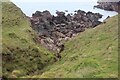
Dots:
pixel 108 5
pixel 53 30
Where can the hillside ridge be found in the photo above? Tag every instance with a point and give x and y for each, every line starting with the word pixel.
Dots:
pixel 91 54
pixel 21 54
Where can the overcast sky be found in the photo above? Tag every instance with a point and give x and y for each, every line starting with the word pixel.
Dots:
pixel 54 0
pixel 30 6
pixel 62 0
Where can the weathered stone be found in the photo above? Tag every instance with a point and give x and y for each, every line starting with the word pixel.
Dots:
pixel 52 30
pixel 108 5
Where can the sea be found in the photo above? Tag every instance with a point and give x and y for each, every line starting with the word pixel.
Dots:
pixel 31 7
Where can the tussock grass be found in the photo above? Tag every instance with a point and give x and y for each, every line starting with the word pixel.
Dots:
pixel 21 54
pixel 91 54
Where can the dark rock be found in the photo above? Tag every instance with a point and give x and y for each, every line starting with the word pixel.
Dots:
pixel 108 5
pixel 47 15
pixel 108 17
pixel 81 12
pixel 66 10
pixel 52 30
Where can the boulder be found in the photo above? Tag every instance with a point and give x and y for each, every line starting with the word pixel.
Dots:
pixel 53 30
pixel 108 5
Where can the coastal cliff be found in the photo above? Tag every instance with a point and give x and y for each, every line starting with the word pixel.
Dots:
pixel 107 5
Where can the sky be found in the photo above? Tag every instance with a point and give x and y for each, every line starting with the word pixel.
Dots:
pixel 63 0
pixel 28 7
pixel 54 0
pixel 31 6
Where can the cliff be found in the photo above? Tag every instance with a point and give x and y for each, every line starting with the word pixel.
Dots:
pixel 107 5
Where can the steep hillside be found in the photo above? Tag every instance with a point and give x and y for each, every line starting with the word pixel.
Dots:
pixel 93 53
pixel 21 54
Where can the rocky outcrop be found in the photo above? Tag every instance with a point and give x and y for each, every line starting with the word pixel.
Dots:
pixel 53 30
pixel 107 5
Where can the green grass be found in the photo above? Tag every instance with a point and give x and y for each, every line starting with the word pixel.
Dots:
pixel 21 54
pixel 92 54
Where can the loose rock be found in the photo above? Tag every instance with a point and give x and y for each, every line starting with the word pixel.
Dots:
pixel 52 30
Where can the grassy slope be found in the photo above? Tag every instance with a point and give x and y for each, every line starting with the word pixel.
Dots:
pixel 92 53
pixel 21 55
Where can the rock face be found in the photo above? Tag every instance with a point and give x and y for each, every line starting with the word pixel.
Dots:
pixel 110 6
pixel 52 30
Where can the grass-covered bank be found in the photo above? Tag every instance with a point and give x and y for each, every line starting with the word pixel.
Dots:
pixel 21 54
pixel 92 54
